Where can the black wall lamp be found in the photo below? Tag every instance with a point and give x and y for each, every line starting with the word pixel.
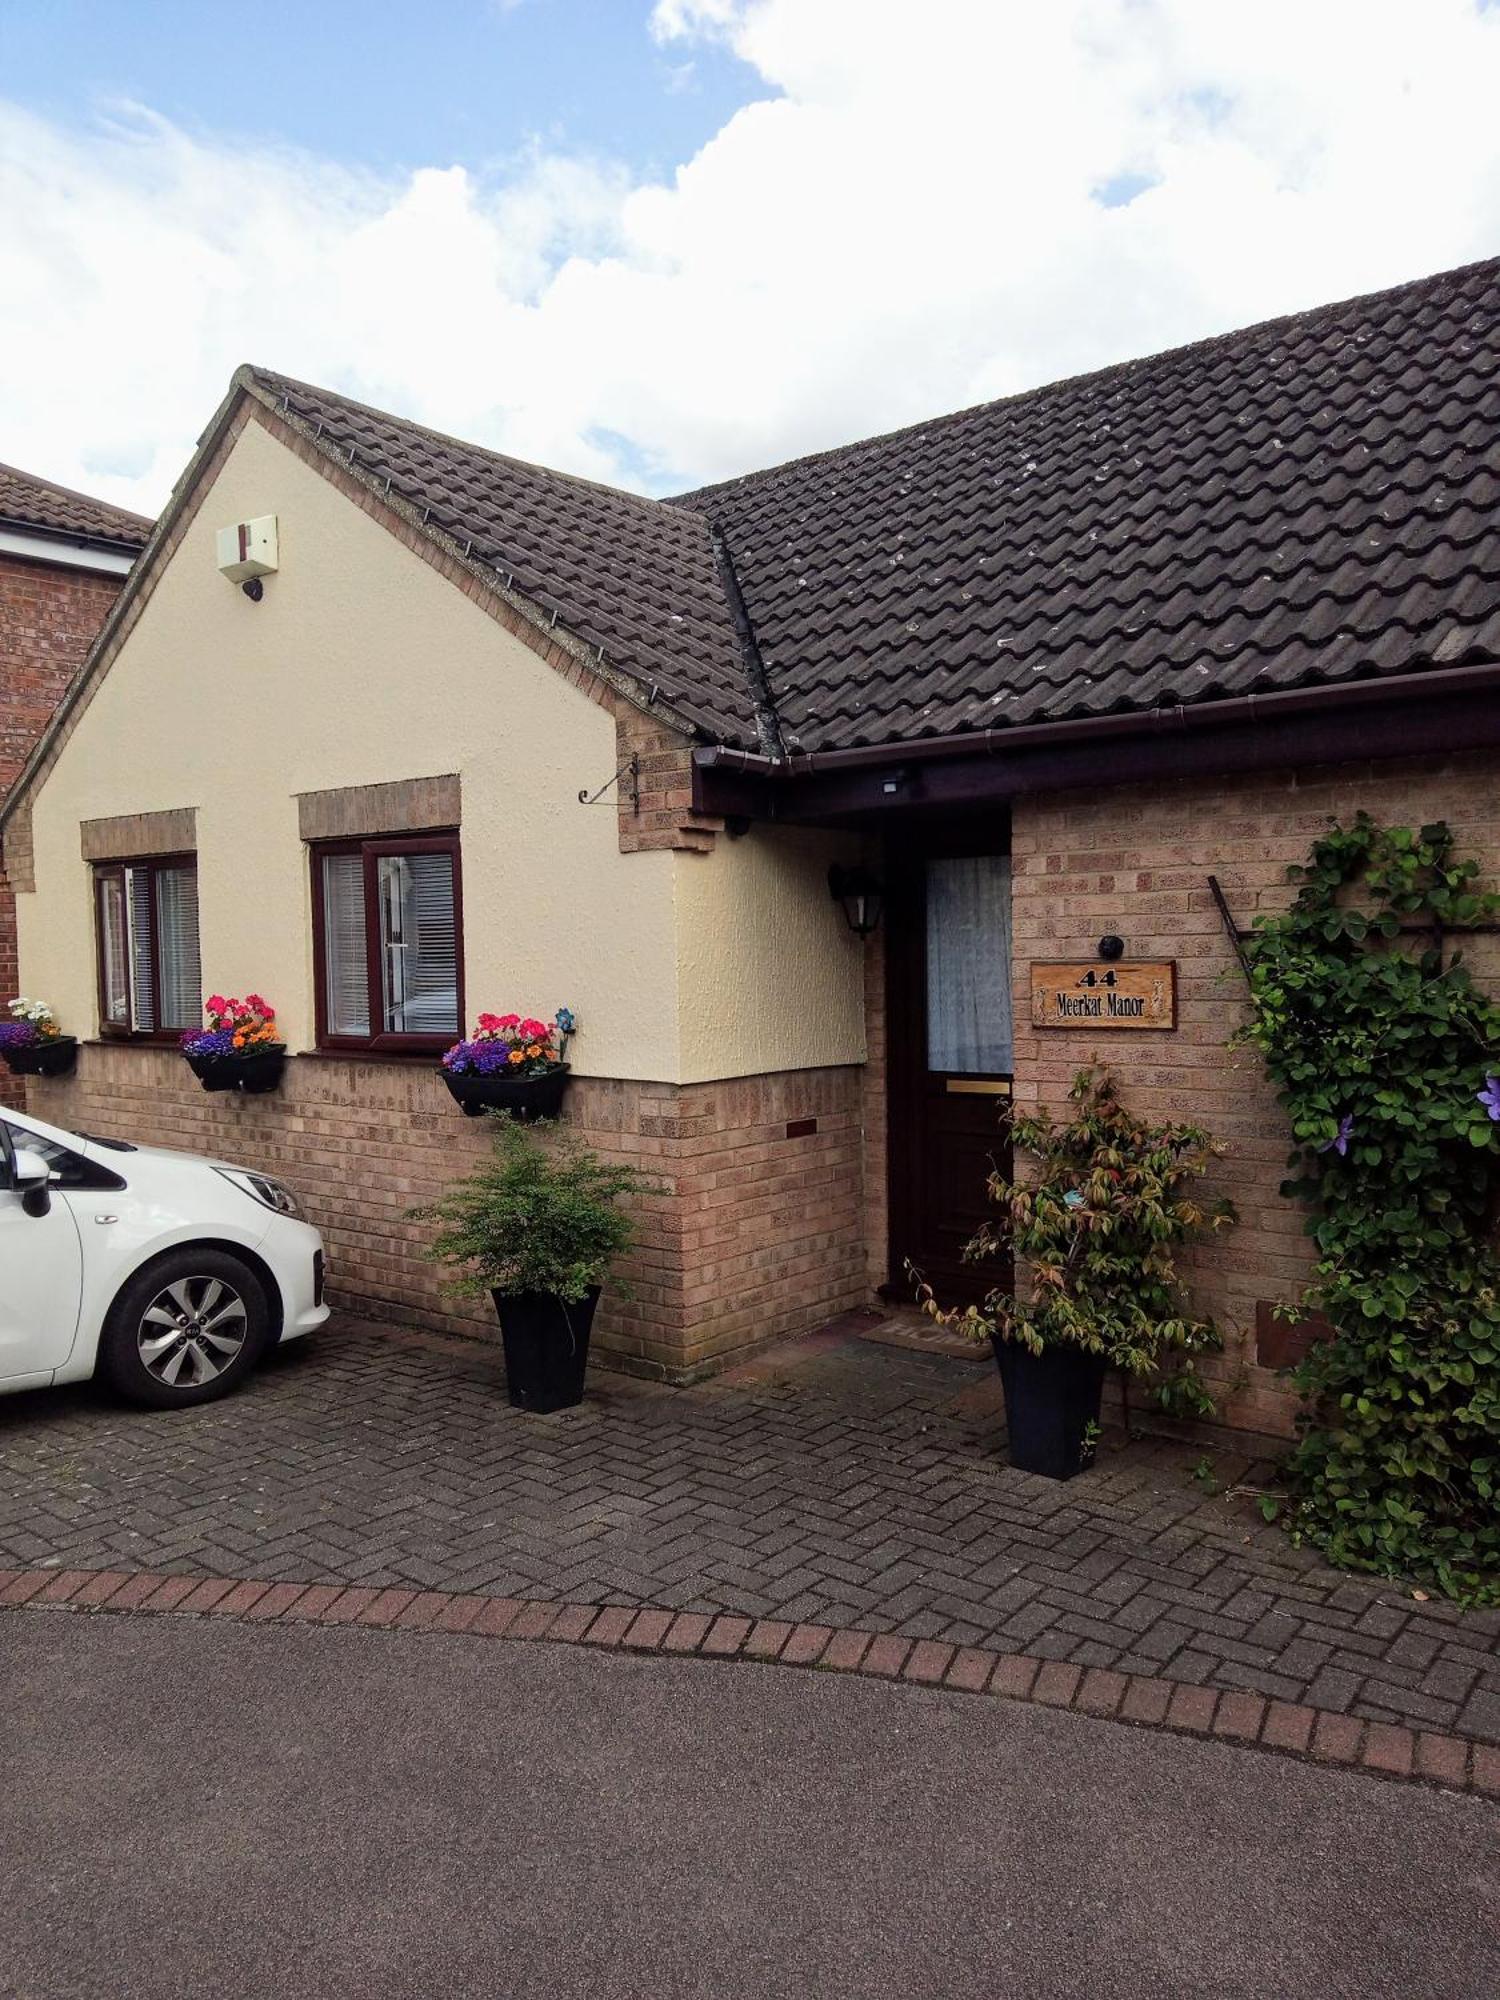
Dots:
pixel 860 894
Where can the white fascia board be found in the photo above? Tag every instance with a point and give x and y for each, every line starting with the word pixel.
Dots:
pixel 71 555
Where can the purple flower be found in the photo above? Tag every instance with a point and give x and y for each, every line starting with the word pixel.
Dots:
pixel 208 1042
pixel 17 1035
pixel 484 1055
pixel 1339 1143
pixel 479 1057
pixel 1489 1097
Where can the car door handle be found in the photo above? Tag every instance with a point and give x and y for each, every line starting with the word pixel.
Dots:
pixel 106 1218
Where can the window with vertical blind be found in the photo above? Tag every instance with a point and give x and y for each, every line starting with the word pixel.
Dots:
pixel 146 915
pixel 388 942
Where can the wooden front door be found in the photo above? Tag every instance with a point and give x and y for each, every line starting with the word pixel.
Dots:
pixel 950 1058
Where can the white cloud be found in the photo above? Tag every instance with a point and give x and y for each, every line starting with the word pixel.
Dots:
pixel 907 221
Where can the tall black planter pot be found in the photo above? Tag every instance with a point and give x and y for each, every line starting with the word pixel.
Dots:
pixel 55 1057
pixel 1051 1398
pixel 526 1098
pixel 546 1347
pixel 254 1073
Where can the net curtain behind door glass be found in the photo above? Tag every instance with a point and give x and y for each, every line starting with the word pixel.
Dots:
pixel 968 965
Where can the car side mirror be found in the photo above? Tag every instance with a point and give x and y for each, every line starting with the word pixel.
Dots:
pixel 31 1177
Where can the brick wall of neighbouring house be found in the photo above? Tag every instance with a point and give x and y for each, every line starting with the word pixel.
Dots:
pixel 754 1234
pixel 875 1109
pixel 1136 862
pixel 48 619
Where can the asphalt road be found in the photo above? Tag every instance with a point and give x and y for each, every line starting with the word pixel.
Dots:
pixel 205 1810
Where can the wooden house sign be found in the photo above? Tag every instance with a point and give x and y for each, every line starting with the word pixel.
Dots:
pixel 1092 995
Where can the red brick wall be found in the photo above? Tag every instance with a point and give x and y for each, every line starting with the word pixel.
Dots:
pixel 875 1110
pixel 1136 862
pixel 751 1235
pixel 48 619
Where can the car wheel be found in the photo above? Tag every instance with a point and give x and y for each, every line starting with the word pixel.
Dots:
pixel 188 1328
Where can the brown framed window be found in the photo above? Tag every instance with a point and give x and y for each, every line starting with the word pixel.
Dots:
pixel 388 942
pixel 146 921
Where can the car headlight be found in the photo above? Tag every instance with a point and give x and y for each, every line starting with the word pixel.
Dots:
pixel 261 1188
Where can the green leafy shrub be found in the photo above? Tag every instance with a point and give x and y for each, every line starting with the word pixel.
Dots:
pixel 1099 1223
pixel 535 1217
pixel 1382 1050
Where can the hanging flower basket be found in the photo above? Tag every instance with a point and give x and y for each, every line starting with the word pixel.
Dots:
pixel 254 1073
pixel 511 1064
pixel 526 1098
pixel 56 1056
pixel 239 1049
pixel 30 1043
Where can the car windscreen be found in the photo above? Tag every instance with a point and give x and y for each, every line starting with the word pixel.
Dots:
pixel 69 1169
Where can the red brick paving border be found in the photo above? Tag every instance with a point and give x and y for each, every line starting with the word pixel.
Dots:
pixel 1386 1751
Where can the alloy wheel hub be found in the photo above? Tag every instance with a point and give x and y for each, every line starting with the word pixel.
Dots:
pixel 192 1331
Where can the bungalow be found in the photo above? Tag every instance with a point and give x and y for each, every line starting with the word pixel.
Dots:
pixel 844 803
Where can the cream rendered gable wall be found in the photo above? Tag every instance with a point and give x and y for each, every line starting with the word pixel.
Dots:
pixel 359 665
pixel 362 665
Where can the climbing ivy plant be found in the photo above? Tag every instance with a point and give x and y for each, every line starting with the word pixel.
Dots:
pixel 1384 1052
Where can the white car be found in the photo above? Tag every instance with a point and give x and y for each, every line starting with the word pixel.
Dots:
pixel 168 1275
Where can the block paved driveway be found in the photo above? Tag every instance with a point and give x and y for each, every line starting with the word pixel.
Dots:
pixel 834 1480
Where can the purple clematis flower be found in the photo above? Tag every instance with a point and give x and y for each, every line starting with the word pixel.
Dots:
pixel 1339 1143
pixel 1489 1097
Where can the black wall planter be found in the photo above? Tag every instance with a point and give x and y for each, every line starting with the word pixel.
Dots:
pixel 546 1347
pixel 56 1057
pixel 1051 1398
pixel 525 1098
pixel 254 1074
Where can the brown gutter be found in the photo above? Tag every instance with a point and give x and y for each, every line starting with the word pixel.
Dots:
pixel 1248 708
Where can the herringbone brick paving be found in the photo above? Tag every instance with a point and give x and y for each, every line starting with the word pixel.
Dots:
pixel 834 1481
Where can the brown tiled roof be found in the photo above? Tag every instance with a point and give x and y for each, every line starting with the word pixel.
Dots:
pixel 636 577
pixel 1313 500
pixel 29 502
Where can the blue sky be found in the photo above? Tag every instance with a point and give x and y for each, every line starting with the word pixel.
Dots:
pixel 660 242
pixel 381 84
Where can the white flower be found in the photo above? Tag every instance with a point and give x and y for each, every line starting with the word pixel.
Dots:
pixel 37 1012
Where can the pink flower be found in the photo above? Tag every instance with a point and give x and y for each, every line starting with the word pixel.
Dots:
pixel 508 1021
pixel 489 1023
pixel 534 1031
pixel 216 1003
